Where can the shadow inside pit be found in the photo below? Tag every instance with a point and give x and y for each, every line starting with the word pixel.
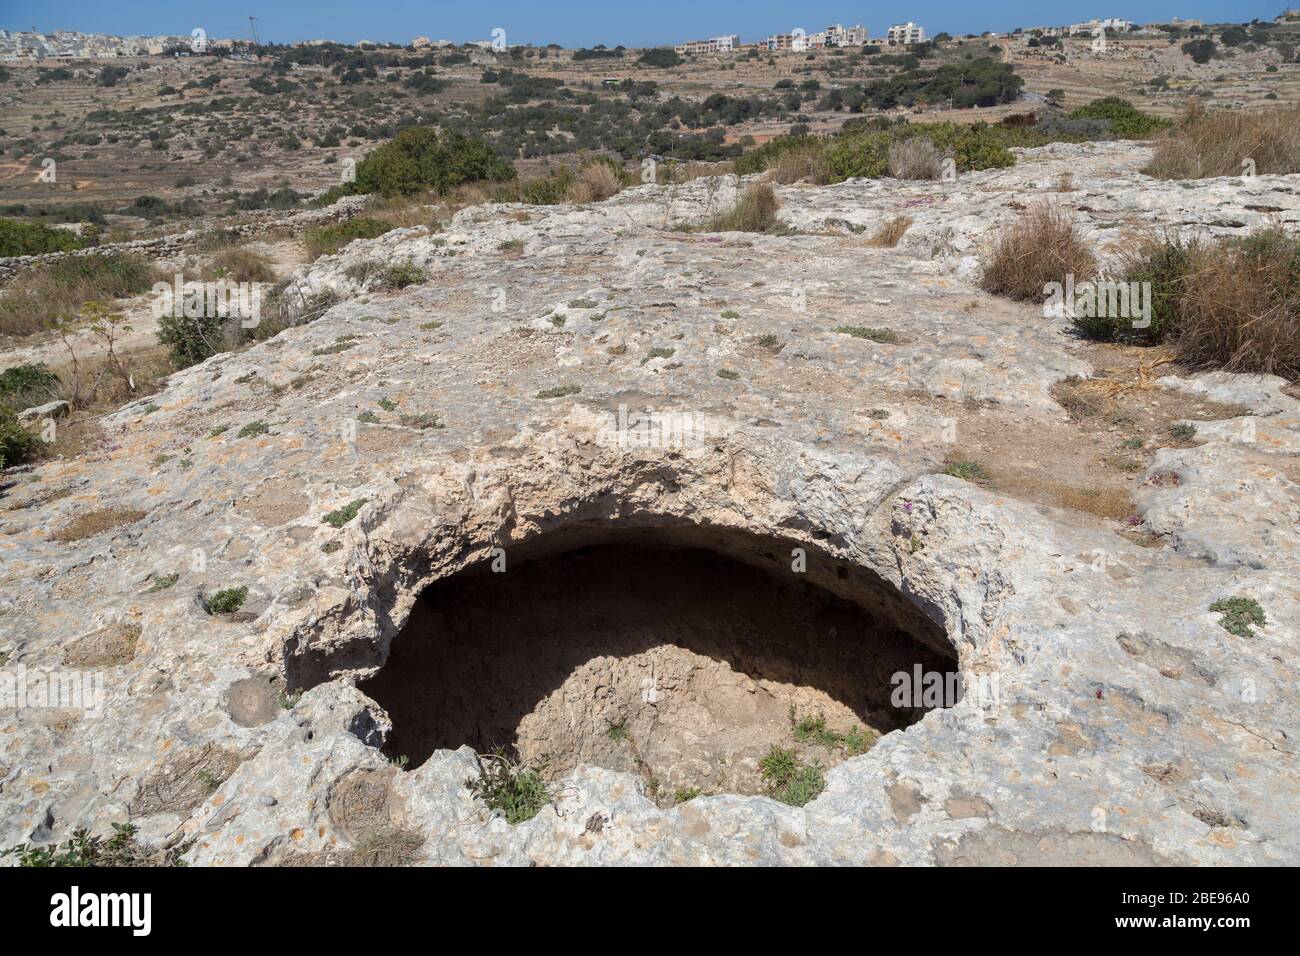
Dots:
pixel 695 655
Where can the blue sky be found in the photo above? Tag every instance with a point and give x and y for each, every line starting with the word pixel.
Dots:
pixel 574 23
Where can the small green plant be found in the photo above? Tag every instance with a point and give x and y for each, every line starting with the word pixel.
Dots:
pixel 810 729
pixel 729 374
pixel 1183 431
pixel 289 701
pixel 429 326
pixel 511 246
pixel 387 405
pixel 220 429
pixel 341 516
pixel 516 791
pixel 83 850
pixel 583 304
pixel 329 547
pixel 971 471
pixel 884 336
pixel 400 275
pixel 1239 614
pixel 730 314
pixel 1134 443
pixel 658 352
pixel 163 582
pixel 340 344
pixel 400 762
pixel 559 391
pixel 368 418
pixel 558 321
pixel 227 600
pixel 768 341
pixel 787 780
pixel 210 781
pixel 685 794
pixel 17 444
pixel 617 730
pixel 258 427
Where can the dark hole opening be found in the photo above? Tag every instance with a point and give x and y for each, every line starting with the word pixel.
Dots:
pixel 683 655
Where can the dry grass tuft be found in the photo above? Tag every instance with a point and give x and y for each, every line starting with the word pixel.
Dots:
pixel 1239 308
pixel 754 211
pixel 1042 246
pixel 95 522
pixel 240 264
pixel 915 158
pixel 1215 144
pixel 798 165
pixel 596 182
pixel 888 235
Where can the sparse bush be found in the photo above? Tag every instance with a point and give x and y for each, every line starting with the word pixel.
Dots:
pixel 241 264
pixel 891 233
pixel 1239 308
pixel 915 158
pixel 1162 262
pixel 328 240
pixel 34 238
pixel 1215 144
pixel 1124 120
pixel 40 298
pixel 754 211
pixel 17 444
pixel 26 385
pixel 1042 246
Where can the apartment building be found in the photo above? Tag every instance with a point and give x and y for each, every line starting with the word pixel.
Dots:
pixel 722 44
pixel 835 35
pixel 905 34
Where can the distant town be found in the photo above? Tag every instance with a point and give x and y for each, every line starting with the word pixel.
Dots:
pixel 72 45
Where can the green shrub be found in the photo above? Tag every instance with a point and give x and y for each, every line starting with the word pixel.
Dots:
pixel 328 240
pixel 418 159
pixel 862 149
pixel 34 238
pixel 1126 121
pixel 26 385
pixel 17 444
pixel 191 341
pixel 1164 263
pixel 227 601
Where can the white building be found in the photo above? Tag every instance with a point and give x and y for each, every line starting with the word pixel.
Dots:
pixel 1091 27
pixel 722 44
pixel 905 34
pixel 834 35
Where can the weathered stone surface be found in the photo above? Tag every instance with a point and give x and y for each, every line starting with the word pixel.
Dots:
pixel 1130 726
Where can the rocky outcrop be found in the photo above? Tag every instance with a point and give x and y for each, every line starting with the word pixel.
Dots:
pixel 485 408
